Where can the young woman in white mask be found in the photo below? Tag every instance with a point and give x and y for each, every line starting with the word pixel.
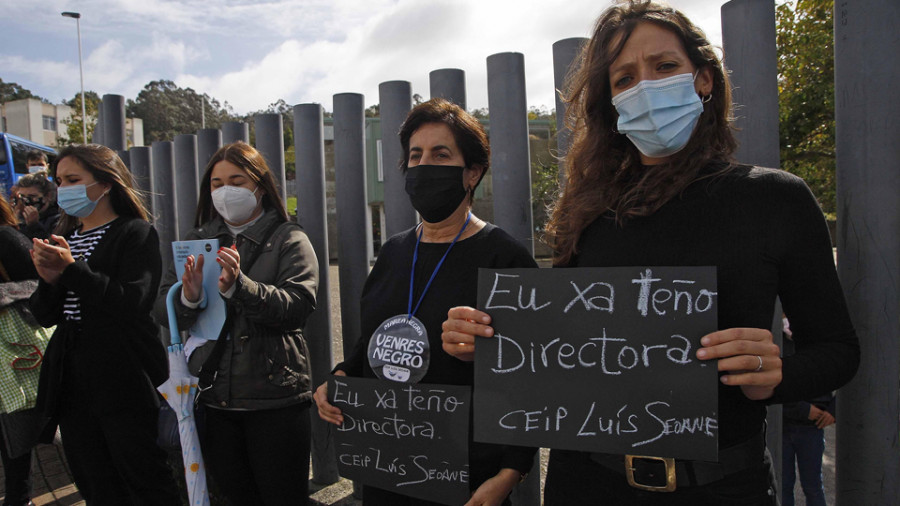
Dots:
pixel 99 277
pixel 651 182
pixel 255 377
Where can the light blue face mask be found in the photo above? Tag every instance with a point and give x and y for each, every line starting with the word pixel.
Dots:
pixel 659 116
pixel 74 201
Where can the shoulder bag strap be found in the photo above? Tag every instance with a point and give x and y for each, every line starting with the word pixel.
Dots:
pixel 210 368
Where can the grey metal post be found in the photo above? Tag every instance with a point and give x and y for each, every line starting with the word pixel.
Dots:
pixel 866 73
pixel 354 232
pixel 270 143
pixel 162 180
pixel 97 134
pixel 233 131
pixel 449 84
pixel 186 184
pixel 140 169
pixel 748 38
pixel 114 122
pixel 510 159
pixel 511 166
pixel 395 98
pixel 209 140
pixel 565 56
pixel 309 147
pixel 123 155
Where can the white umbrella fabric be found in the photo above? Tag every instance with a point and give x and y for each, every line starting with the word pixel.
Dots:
pixel 179 391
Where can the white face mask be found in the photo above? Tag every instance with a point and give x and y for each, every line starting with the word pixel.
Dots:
pixel 234 203
pixel 34 169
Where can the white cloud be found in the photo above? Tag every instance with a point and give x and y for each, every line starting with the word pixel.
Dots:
pixel 254 52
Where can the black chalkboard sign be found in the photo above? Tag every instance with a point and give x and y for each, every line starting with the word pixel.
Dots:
pixel 408 438
pixel 598 359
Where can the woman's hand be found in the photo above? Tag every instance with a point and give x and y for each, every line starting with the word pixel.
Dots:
pixel 50 260
pixel 494 491
pixel 192 279
pixel 748 356
pixel 820 416
pixel 230 260
pixel 328 412
pixel 459 330
pixel 30 214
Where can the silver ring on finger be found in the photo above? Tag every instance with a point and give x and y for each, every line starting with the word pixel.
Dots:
pixel 759 368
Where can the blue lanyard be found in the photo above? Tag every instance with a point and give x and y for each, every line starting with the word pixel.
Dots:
pixel 412 273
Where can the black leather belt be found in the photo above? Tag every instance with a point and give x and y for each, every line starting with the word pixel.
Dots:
pixel 662 474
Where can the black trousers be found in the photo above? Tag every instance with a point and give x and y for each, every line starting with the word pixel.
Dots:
pixel 574 479
pixel 259 457
pixel 17 472
pixel 114 457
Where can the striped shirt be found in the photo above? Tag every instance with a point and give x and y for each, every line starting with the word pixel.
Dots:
pixel 81 244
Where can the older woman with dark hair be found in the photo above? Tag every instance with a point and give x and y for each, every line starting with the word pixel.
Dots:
pixel 446 155
pixel 651 181
pixel 257 427
pixel 98 281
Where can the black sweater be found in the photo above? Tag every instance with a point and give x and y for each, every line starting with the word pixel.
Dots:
pixel 115 346
pixel 14 256
pixel 386 294
pixel 766 235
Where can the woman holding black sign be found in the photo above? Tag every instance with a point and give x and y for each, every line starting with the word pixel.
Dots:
pixel 254 379
pixel 430 268
pixel 652 181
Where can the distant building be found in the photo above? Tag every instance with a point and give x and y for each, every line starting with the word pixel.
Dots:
pixel 36 121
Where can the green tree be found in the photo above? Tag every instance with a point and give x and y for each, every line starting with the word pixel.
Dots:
pixel 10 91
pixel 806 94
pixel 168 110
pixel 74 132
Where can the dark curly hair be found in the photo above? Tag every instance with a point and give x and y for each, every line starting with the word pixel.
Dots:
pixel 602 166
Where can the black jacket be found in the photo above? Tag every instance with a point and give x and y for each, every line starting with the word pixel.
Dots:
pixel 45 224
pixel 116 343
pixel 267 365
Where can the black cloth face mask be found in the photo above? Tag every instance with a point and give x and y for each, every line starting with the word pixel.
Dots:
pixel 435 191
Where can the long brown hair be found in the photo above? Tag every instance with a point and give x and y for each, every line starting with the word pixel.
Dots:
pixel 603 168
pixel 250 161
pixel 106 167
pixel 7 216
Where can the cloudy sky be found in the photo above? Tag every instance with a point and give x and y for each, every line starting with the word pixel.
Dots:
pixel 250 53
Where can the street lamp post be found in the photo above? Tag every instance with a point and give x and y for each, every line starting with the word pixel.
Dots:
pixel 77 17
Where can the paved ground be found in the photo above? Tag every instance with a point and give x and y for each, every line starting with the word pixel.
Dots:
pixel 53 486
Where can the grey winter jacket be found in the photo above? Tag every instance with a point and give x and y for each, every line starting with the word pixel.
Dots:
pixel 266 360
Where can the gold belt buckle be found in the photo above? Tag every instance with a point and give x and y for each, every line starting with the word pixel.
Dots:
pixel 670 473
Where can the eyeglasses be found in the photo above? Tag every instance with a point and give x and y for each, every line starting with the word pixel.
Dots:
pixel 28 200
pixel 30 361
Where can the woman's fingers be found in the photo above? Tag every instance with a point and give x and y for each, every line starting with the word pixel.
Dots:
pixel 60 241
pixel 462 351
pixel 468 313
pixel 748 356
pixel 327 412
pixel 459 330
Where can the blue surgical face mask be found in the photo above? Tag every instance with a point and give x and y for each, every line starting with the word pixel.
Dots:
pixel 659 116
pixel 74 201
